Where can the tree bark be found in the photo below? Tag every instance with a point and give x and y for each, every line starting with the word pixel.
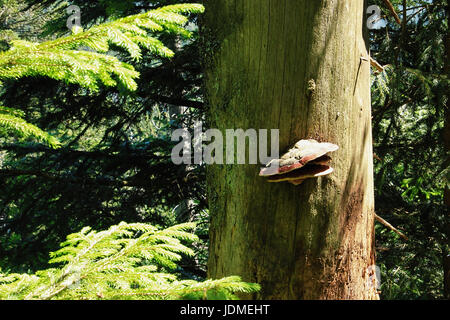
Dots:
pixel 316 240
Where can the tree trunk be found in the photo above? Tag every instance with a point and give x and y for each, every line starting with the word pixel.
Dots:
pixel 316 240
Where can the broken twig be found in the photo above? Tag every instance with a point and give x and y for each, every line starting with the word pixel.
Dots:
pixel 387 224
pixel 392 10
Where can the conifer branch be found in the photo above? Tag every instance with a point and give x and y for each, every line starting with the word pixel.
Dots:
pixel 132 259
pixel 387 224
pixel 393 12
pixel 82 58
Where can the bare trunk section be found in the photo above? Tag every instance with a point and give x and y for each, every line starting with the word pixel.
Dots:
pixel 314 241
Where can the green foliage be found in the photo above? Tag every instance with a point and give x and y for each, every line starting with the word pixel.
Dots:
pixel 114 161
pixel 81 57
pixel 409 100
pixel 380 82
pixel 411 269
pixel 127 261
pixel 19 21
pixel 10 119
pixel 59 59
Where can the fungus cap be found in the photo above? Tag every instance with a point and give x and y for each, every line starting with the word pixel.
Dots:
pixel 309 171
pixel 304 152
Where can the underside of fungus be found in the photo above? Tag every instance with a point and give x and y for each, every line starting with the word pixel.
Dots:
pixel 307 159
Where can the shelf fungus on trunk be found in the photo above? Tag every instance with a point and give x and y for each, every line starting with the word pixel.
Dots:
pixel 307 159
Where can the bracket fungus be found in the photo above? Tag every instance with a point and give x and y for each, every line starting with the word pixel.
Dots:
pixel 307 159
